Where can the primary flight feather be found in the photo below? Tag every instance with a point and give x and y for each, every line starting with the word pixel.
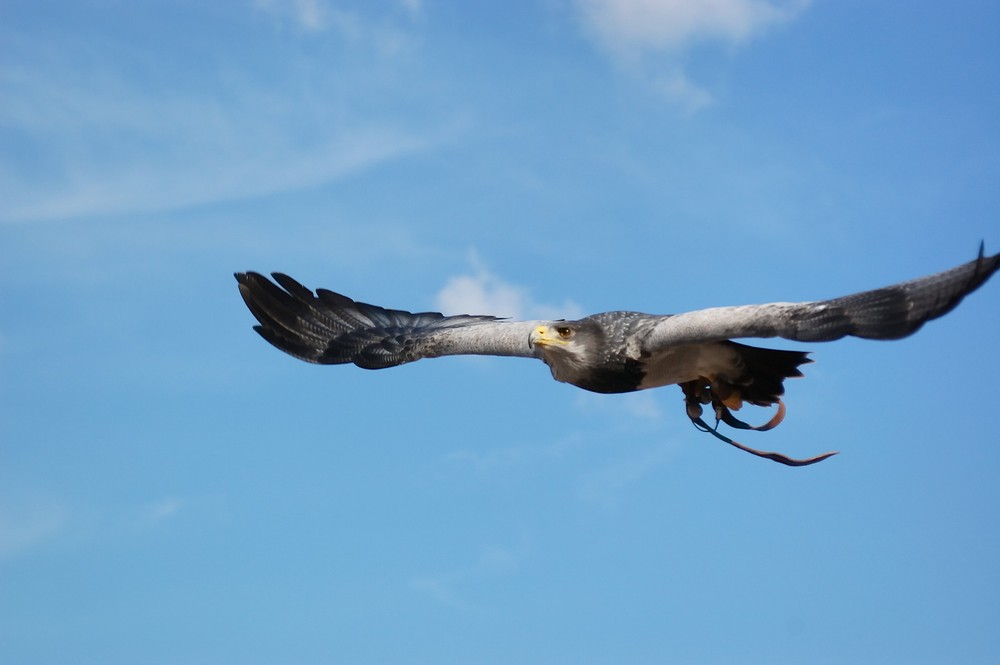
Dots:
pixel 614 352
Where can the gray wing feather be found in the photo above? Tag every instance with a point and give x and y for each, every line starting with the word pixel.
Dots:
pixel 887 313
pixel 329 328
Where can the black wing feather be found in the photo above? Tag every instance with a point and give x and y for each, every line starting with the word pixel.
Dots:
pixel 330 329
pixel 895 311
pixel 887 313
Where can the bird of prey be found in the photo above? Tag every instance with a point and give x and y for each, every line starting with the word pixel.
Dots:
pixel 615 352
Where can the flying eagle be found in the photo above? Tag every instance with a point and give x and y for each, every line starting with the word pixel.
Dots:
pixel 615 352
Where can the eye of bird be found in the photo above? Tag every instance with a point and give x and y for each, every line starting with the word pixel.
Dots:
pixel 564 332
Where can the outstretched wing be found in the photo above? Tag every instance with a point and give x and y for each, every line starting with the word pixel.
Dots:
pixel 330 329
pixel 888 313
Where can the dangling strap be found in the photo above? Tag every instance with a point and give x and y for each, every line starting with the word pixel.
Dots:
pixel 726 416
pixel 776 457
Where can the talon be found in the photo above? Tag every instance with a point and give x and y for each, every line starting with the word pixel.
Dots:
pixel 734 401
pixel 694 397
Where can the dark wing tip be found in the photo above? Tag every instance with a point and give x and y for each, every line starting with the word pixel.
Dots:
pixel 985 267
pixel 896 311
pixel 285 315
pixel 247 277
pixel 330 329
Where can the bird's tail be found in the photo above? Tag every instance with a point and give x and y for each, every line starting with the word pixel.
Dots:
pixel 761 383
pixel 765 371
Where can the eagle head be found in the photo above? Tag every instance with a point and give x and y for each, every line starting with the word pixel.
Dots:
pixel 573 350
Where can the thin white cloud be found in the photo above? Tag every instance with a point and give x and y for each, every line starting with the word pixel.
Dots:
pixel 308 15
pixel 604 486
pixel 440 589
pixel 24 526
pixel 447 588
pixel 160 511
pixel 311 13
pixel 627 27
pixel 323 15
pixel 500 460
pixel 642 405
pixel 96 136
pixel 483 292
pixel 114 147
pixel 414 7
pixel 214 176
pixel 378 27
pixel 634 31
pixel 675 85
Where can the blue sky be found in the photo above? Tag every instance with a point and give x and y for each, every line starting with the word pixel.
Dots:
pixel 174 490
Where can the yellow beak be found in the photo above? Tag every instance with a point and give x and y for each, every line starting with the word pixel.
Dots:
pixel 544 336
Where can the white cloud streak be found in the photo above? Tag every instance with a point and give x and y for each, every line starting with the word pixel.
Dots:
pixel 675 85
pixel 309 15
pixel 414 7
pixel 320 15
pixel 627 27
pixel 634 31
pixel 388 37
pixel 605 485
pixel 446 588
pixel 483 292
pixel 25 526
pixel 156 154
pixel 642 405
pixel 497 460
pixel 95 136
pixel 159 511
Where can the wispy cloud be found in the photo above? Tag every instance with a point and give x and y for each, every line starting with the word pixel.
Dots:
pixel 483 292
pixel 642 405
pixel 636 31
pixel 603 486
pixel 91 131
pixel 321 15
pixel 24 525
pixel 28 523
pixel 628 27
pixel 114 148
pixel 160 510
pixel 116 189
pixel 448 588
pixel 674 84
pixel 380 28
pixel 415 7
pixel 309 15
pixel 491 461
